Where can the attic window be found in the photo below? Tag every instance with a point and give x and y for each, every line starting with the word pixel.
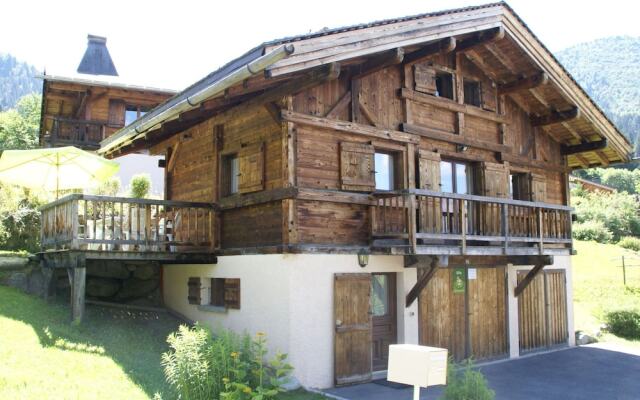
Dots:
pixel 472 92
pixel 444 85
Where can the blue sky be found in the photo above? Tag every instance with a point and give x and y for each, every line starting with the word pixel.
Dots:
pixel 172 44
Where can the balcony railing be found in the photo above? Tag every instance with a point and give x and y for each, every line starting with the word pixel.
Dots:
pixel 84 222
pixel 423 218
pixel 87 134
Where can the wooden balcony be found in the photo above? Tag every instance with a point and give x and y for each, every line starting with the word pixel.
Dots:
pixel 129 228
pixel 426 222
pixel 80 133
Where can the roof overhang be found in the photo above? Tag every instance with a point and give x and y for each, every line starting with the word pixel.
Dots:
pixel 103 83
pixel 342 45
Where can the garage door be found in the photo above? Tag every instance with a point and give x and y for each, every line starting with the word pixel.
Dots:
pixel 469 320
pixel 542 311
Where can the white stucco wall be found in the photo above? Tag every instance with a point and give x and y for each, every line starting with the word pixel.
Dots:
pixel 559 262
pixel 290 298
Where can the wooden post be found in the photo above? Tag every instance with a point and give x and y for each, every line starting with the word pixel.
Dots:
pixel 463 225
pixel 540 231
pixel 74 224
pixel 624 272
pixel 505 226
pixel 411 223
pixel 79 274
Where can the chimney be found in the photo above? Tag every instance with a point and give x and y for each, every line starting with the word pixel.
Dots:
pixel 96 59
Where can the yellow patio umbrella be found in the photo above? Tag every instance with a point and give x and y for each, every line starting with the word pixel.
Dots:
pixel 59 168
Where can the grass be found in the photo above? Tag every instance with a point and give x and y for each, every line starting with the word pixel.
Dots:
pixel 598 286
pixel 10 253
pixel 113 354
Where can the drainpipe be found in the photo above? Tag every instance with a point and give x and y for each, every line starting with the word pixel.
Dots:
pixel 248 70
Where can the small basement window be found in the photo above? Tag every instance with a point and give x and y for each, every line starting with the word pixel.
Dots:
pixel 444 84
pixel 386 170
pixel 472 94
pixel 194 291
pixel 225 292
pixel 230 174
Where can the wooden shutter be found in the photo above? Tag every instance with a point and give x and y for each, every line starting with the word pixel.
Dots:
pixel 357 167
pixel 251 169
pixel 116 112
pixel 232 293
pixel 495 179
pixel 352 294
pixel 538 188
pixel 194 291
pixel 424 77
pixel 217 292
pixel 429 170
pixel 489 100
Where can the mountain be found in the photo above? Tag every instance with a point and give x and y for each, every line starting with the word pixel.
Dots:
pixel 608 70
pixel 16 80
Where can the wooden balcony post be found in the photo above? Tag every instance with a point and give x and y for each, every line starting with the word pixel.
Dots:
pixel 463 225
pixel 74 224
pixel 540 230
pixel 505 226
pixel 373 220
pixel 411 222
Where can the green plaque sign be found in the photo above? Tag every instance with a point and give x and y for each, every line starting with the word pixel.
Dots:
pixel 458 280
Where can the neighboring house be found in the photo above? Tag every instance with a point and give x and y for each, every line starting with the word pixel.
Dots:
pixel 590 186
pixel 403 181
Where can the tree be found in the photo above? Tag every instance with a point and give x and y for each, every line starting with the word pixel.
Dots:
pixel 19 127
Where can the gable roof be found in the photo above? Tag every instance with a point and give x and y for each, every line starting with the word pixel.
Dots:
pixel 351 42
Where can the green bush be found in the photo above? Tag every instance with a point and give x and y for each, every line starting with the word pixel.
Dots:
pixel 140 186
pixel 19 219
pixel 222 366
pixel 630 242
pixel 624 323
pixel 467 384
pixel 618 212
pixel 591 230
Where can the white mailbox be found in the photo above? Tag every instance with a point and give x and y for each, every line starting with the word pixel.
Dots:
pixel 418 366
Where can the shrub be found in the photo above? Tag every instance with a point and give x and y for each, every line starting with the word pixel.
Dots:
pixel 618 212
pixel 19 219
pixel 110 187
pixel 624 323
pixel 140 186
pixel 591 230
pixel 222 366
pixel 630 242
pixel 466 384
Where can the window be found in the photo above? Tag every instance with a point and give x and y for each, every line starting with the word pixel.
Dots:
pixel 472 92
pixel 444 85
pixel 385 170
pixel 132 113
pixel 225 292
pixel 230 174
pixel 519 186
pixel 380 295
pixel 455 177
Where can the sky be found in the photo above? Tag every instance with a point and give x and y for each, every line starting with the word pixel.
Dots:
pixel 171 44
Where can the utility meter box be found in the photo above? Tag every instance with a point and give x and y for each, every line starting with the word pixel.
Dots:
pixel 418 366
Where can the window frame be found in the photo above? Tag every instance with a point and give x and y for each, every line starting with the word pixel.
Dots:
pixel 454 173
pixel 139 110
pixel 398 157
pixel 439 74
pixel 478 89
pixel 226 179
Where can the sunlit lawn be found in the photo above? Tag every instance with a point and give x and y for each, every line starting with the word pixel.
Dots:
pixel 598 285
pixel 112 355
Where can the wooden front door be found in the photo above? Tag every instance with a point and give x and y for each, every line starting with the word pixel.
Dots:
pixel 352 302
pixel 384 321
pixel 542 311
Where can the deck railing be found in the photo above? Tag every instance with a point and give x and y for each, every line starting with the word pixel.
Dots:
pixel 85 222
pixel 82 133
pixel 432 218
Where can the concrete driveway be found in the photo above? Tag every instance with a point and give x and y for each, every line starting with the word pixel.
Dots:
pixel 598 371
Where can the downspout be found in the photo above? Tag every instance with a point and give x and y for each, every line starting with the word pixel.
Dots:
pixel 248 70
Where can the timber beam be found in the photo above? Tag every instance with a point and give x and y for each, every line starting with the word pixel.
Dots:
pixel 556 117
pixel 375 64
pixel 529 82
pixel 445 46
pixel 480 39
pixel 527 279
pixel 423 280
pixel 499 260
pixel 583 147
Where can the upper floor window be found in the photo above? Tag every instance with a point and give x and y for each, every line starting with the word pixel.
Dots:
pixel 455 177
pixel 230 174
pixel 132 113
pixel 444 84
pixel 385 171
pixel 519 186
pixel 472 93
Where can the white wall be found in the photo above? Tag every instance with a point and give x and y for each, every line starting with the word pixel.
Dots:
pixel 559 262
pixel 290 298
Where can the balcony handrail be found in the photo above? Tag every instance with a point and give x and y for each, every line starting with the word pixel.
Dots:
pixel 79 121
pixel 90 197
pixel 472 197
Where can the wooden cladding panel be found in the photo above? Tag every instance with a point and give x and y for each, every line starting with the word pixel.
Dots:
pixel 320 99
pixel 531 311
pixel 432 117
pixel 442 317
pixel 557 306
pixel 378 95
pixel 352 293
pixel 259 225
pixel 487 310
pixel 332 223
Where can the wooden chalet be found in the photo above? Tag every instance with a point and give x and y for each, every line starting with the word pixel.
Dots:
pixel 403 181
pixel 84 109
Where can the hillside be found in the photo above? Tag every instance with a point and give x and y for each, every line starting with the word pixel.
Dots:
pixel 608 70
pixel 16 80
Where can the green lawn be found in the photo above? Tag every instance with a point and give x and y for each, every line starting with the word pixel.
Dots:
pixel 598 285
pixel 114 354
